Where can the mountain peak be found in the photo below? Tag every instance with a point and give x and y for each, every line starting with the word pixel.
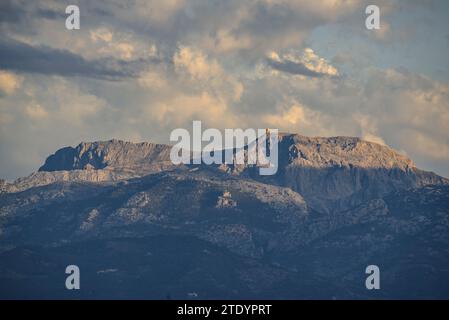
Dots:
pixel 102 154
pixel 306 151
pixel 341 151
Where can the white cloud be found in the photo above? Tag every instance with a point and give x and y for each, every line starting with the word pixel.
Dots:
pixel 313 62
pixel 196 64
pixel 101 34
pixel 368 128
pixel 35 111
pixel 107 43
pixel 181 109
pixel 197 87
pixel 9 82
pixel 297 118
pixel 373 138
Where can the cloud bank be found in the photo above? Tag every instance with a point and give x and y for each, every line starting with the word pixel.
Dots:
pixel 139 69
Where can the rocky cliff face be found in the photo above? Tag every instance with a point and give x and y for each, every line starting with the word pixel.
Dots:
pixel 338 172
pixel 113 154
pixel 102 161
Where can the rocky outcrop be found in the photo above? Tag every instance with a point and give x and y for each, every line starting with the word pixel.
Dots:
pixel 338 172
pixel 112 154
pixel 319 152
pixel 101 162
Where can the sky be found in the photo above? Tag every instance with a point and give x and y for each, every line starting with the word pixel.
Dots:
pixel 136 70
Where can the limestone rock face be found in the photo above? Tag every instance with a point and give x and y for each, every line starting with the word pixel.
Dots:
pixel 319 152
pixel 102 154
pixel 337 172
pixel 101 162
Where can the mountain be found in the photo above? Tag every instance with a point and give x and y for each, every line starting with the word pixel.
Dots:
pixel 102 161
pixel 113 154
pixel 333 171
pixel 340 172
pixel 139 227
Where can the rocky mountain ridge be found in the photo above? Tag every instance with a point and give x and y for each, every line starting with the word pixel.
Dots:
pixel 328 172
pixel 112 154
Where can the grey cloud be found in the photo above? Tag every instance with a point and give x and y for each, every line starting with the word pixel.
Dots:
pixel 22 57
pixel 16 12
pixel 271 27
pixel 50 14
pixel 10 12
pixel 293 68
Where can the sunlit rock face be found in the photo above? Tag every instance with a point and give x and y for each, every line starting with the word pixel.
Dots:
pixel 103 154
pixel 339 172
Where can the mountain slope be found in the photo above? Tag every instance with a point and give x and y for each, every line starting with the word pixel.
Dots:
pixel 266 243
pixel 140 227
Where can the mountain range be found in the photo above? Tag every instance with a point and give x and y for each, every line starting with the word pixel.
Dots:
pixel 140 227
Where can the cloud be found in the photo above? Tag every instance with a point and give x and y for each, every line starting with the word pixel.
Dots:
pixel 191 86
pixel 9 82
pixel 22 57
pixel 308 64
pixel 396 107
pixel 181 109
pixel 229 63
pixel 294 117
pixel 252 27
pixel 373 138
pixel 206 73
pixel 152 79
pixel 424 144
pixel 368 128
pixel 105 42
pixel 35 111
pixel 383 33
pixel 411 109
pixel 101 34
pixel 196 64
pixel 10 11
pixel 45 114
